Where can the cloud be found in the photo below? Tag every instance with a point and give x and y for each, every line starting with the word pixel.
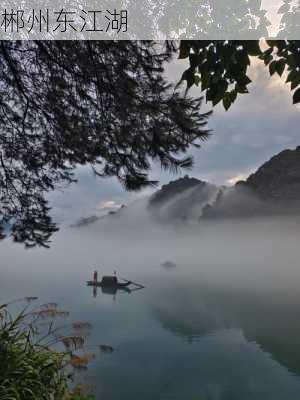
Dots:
pixel 257 126
pixel 237 178
pixel 107 205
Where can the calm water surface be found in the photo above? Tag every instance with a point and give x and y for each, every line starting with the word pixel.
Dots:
pixel 224 324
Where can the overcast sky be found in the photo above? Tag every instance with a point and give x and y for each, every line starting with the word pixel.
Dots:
pixel 256 127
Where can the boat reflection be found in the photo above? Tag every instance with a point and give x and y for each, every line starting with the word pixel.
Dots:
pixel 110 290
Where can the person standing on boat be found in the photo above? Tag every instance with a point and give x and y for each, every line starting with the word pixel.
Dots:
pixel 95 276
pixel 115 277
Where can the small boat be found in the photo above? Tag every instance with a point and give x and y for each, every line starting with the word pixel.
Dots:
pixel 109 282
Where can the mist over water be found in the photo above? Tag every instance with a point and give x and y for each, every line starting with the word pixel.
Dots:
pixel 222 322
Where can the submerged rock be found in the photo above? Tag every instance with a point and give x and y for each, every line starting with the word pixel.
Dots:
pixel 168 265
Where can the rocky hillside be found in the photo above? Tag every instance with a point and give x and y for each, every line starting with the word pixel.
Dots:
pixel 174 188
pixel 273 188
pixel 182 199
pixel 279 178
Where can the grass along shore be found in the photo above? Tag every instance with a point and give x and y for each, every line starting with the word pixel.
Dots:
pixel 37 358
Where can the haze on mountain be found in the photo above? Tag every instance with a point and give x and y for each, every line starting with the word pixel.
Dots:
pixel 274 189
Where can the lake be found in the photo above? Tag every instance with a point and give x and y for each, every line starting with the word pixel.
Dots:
pixel 219 321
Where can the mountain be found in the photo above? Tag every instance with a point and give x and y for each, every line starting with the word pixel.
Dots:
pixel 182 199
pixel 84 221
pixel 273 189
pixel 279 178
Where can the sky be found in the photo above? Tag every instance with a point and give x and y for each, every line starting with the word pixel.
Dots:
pixel 256 127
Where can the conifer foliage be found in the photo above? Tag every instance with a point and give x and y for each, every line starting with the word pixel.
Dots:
pixel 70 103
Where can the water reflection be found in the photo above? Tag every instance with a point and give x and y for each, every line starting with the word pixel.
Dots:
pixel 110 290
pixel 194 310
pixel 222 326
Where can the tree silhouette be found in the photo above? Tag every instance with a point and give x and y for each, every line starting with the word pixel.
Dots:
pixel 220 67
pixel 289 23
pixel 64 104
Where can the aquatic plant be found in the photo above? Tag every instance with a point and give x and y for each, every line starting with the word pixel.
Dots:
pixel 30 366
pixel 81 361
pixel 28 370
pixel 81 325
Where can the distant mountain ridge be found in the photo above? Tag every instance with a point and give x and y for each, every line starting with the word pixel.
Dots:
pixel 182 199
pixel 84 221
pixel 174 188
pixel 279 178
pixel 273 189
